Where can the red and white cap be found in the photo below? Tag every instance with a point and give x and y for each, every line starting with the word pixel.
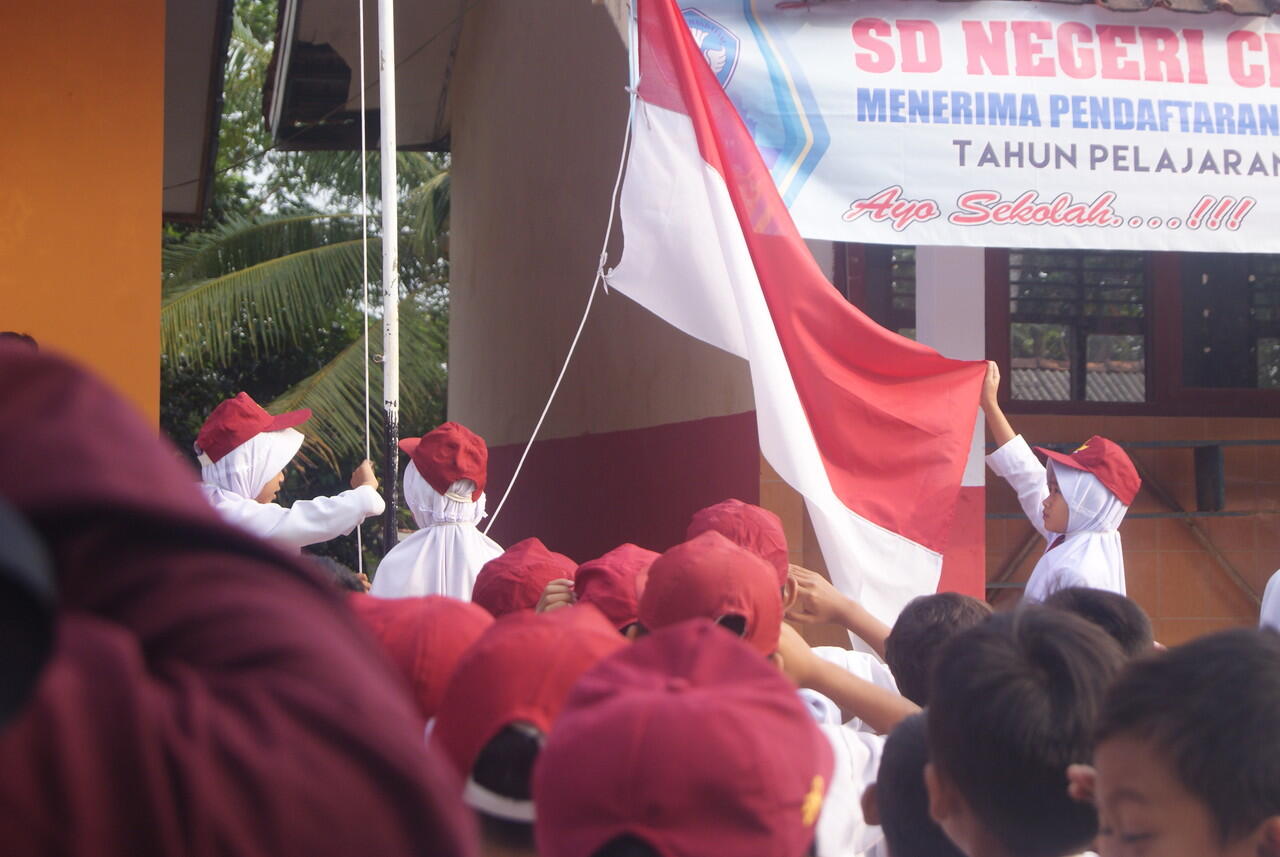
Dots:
pixel 1106 461
pixel 613 583
pixel 448 453
pixel 237 420
pixel 425 638
pixel 710 577
pixel 515 579
pixel 752 527
pixel 519 671
pixel 689 741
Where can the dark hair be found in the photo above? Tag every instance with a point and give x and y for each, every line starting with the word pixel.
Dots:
pixel 1121 617
pixel 628 845
pixel 504 766
pixel 340 575
pixel 923 626
pixel 1015 700
pixel 902 797
pixel 625 846
pixel 24 338
pixel 1209 707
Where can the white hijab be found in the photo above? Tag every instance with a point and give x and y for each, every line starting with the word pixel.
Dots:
pixel 1090 553
pixel 232 483
pixel 446 553
pixel 1270 617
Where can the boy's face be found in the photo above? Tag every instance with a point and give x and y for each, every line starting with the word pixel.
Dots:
pixel 1055 507
pixel 1144 810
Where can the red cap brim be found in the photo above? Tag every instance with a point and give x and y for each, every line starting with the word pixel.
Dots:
pixel 289 419
pixel 409 444
pixel 1061 458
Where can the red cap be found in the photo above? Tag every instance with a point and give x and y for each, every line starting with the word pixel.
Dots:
pixel 689 741
pixel 239 419
pixel 515 579
pixel 449 453
pixel 756 529
pixel 1105 460
pixel 425 638
pixel 519 671
pixel 710 577
pixel 613 583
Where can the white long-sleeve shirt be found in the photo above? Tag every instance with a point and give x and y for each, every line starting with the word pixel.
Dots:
pixel 1090 554
pixel 306 522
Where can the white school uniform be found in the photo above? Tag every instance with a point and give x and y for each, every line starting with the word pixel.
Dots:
pixel 1270 613
pixel 446 553
pixel 232 482
pixel 1089 553
pixel 842 831
pixel 862 664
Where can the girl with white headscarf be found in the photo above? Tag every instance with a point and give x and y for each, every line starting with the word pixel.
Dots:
pixel 1076 503
pixel 444 488
pixel 243 451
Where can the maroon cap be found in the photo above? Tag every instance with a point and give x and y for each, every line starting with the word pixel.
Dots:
pixel 239 419
pixel 425 638
pixel 613 583
pixel 515 579
pixel 1105 460
pixel 756 529
pixel 519 671
pixel 689 741
pixel 449 453
pixel 710 577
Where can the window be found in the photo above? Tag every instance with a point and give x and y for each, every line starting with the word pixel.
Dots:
pixel 1077 327
pixel 1230 321
pixel 1100 332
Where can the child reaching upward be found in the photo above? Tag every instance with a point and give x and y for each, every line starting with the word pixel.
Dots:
pixel 243 451
pixel 1076 503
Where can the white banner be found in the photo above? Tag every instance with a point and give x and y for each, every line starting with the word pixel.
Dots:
pixel 1008 124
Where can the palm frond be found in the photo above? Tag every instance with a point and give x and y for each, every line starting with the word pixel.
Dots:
pixel 428 214
pixel 264 306
pixel 245 241
pixel 335 393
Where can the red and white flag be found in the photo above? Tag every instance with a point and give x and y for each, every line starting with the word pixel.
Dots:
pixel 871 428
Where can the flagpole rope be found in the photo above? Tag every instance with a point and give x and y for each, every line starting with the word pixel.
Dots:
pixel 591 297
pixel 364 258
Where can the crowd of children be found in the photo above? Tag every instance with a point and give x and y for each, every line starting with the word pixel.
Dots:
pixel 211 692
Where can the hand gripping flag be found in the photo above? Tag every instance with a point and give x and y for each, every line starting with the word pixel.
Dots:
pixel 871 428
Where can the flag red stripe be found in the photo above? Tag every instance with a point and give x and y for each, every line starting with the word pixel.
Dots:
pixel 892 419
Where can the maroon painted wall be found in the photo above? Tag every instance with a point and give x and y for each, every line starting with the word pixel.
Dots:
pixel 585 495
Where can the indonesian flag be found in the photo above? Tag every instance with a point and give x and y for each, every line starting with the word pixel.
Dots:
pixel 871 428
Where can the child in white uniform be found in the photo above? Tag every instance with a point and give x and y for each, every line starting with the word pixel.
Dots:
pixel 1077 503
pixel 243 451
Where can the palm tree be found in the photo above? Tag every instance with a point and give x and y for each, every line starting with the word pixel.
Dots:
pixel 260 288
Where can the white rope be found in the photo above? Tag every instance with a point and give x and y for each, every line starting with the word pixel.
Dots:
pixel 595 286
pixel 364 257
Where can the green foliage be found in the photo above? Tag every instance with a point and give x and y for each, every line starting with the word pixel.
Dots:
pixel 268 298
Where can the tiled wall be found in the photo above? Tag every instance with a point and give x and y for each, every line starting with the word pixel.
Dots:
pixel 1169 571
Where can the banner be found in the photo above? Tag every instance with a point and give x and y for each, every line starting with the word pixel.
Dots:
pixel 1008 124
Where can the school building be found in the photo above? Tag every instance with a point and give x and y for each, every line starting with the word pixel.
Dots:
pixel 1175 355
pixel 111 116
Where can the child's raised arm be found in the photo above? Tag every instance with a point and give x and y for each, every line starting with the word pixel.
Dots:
pixel 997 423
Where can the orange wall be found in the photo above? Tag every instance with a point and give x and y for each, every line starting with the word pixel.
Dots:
pixel 82 89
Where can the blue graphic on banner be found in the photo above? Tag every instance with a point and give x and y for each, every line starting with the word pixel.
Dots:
pixel 792 137
pixel 719 46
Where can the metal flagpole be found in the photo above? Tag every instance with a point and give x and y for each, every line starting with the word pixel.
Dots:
pixel 390 266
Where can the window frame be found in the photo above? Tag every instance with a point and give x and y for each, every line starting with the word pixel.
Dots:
pixel 1166 394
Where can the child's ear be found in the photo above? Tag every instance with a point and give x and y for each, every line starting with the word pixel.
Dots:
pixel 871 805
pixel 789 594
pixel 945 803
pixel 1268 837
